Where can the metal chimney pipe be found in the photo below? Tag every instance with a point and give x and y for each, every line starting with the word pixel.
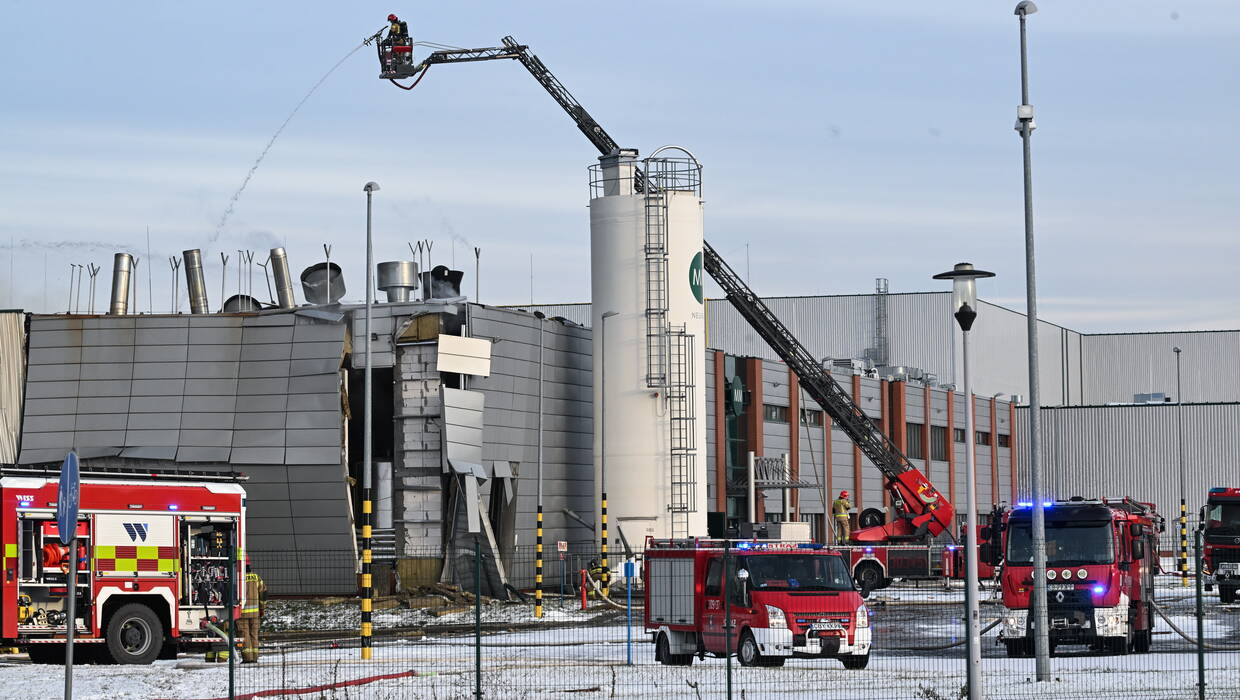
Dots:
pixel 284 280
pixel 195 281
pixel 122 271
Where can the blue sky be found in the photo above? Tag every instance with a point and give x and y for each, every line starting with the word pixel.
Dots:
pixel 842 141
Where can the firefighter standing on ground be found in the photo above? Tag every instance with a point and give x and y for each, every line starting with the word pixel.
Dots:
pixel 251 614
pixel 839 509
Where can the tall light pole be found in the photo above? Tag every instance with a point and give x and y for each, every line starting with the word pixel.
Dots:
pixel 538 535
pixel 368 440
pixel 1179 419
pixel 603 442
pixel 964 309
pixel 1025 125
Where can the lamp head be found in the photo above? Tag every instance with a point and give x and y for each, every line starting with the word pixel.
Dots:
pixel 964 291
pixel 1025 7
pixel 371 187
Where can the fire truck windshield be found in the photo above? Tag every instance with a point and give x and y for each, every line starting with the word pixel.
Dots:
pixel 1067 543
pixel 803 572
pixel 1223 518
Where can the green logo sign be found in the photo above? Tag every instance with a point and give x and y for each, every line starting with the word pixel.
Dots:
pixel 695 277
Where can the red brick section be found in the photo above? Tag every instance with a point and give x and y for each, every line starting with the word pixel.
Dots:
pixel 856 489
pixel 721 437
pixel 994 453
pixel 753 422
pixel 884 408
pixel 826 475
pixel 951 451
pixel 794 440
pixel 925 429
pixel 1012 447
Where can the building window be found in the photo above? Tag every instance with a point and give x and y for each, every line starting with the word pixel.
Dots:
pixel 916 443
pixel 983 438
pixel 938 443
pixel 1005 440
pixel 958 434
pixel 811 417
pixel 774 414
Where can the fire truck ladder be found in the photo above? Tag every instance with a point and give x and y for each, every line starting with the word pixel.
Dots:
pixel 681 410
pixel 815 379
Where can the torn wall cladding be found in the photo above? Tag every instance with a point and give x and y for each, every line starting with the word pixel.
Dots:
pixel 12 379
pixel 254 393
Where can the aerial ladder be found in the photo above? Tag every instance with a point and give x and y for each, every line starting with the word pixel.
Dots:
pixel 921 511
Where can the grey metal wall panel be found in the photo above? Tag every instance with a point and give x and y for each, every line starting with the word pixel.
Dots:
pixel 1118 366
pixel 186 453
pixel 311 455
pixel 257 455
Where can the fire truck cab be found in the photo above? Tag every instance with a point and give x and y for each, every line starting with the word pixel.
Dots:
pixel 787 600
pixel 150 570
pixel 1221 520
pixel 1101 557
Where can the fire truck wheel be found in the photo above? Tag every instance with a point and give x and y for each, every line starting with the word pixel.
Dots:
pixel 1226 595
pixel 1144 639
pixel 135 635
pixel 855 663
pixel 46 653
pixel 663 654
pixel 868 576
pixel 748 653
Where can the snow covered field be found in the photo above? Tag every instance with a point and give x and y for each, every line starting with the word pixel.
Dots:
pixel 583 656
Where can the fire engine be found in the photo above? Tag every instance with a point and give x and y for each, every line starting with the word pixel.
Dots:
pixel 1221 519
pixel 1101 557
pixel 150 573
pixel 787 600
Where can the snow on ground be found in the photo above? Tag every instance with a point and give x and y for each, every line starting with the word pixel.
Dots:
pixel 583 655
pixel 283 615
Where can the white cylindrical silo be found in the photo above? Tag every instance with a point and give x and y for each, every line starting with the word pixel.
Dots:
pixel 650 440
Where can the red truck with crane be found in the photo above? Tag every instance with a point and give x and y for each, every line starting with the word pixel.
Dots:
pixel 786 601
pixel 152 569
pixel 880 550
pixel 1101 557
pixel 1221 523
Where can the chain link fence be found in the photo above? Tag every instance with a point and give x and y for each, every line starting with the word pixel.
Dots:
pixel 462 624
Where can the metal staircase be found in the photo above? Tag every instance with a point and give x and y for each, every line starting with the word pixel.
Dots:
pixel 682 414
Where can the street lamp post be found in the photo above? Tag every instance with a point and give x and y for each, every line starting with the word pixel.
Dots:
pixel 603 443
pixel 964 309
pixel 1179 419
pixel 367 442
pixel 1025 125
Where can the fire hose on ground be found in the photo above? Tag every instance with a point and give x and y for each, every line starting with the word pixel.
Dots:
pixel 1215 647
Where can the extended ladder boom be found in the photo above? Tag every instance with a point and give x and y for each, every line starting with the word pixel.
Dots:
pixel 921 509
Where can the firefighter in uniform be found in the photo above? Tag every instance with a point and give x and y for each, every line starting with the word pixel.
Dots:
pixel 596 574
pixel 251 614
pixel 839 511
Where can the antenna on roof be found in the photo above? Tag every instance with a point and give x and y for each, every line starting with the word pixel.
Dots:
pixel 93 270
pixel 175 304
pixel 223 277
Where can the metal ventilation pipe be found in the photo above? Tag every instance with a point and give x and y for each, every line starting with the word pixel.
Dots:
pixel 122 271
pixel 284 280
pixel 398 278
pixel 195 281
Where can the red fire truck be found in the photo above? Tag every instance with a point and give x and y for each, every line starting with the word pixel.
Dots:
pixel 1101 556
pixel 152 562
pixel 1222 541
pixel 787 600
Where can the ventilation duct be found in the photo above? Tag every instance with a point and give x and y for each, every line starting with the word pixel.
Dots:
pixel 398 278
pixel 322 284
pixel 195 281
pixel 441 283
pixel 284 279
pixel 241 303
pixel 122 271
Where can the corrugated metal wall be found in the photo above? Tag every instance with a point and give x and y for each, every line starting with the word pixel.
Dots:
pixel 1094 451
pixel 1118 366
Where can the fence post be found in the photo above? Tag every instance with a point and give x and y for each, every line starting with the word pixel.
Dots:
pixel 1201 634
pixel 477 619
pixel 727 611
pixel 232 614
pixel 628 624
pixel 584 604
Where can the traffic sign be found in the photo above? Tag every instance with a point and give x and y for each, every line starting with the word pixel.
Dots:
pixel 67 499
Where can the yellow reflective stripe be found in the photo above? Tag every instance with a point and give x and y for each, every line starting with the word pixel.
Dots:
pixel 148 552
pixel 10 550
pixel 165 565
pixel 105 551
pixel 126 565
